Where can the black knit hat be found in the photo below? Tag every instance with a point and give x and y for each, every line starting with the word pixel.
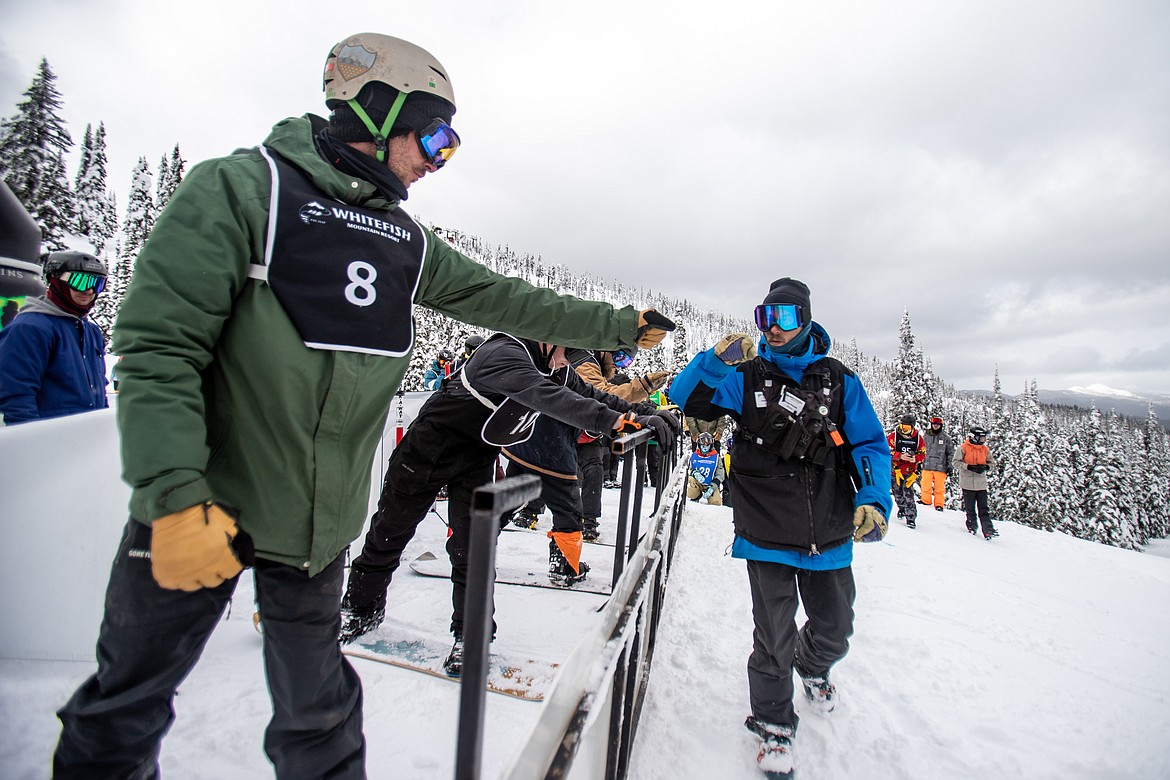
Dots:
pixel 377 99
pixel 788 290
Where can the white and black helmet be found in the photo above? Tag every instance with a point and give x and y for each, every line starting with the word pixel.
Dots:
pixel 60 262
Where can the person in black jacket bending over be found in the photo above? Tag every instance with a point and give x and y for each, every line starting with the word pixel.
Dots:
pixel 493 401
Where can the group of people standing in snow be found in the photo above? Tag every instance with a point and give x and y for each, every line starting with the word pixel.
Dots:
pixel 259 361
pixel 933 457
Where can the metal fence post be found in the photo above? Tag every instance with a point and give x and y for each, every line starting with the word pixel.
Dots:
pixel 487 504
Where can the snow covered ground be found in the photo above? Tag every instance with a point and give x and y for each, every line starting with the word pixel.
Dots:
pixel 1033 656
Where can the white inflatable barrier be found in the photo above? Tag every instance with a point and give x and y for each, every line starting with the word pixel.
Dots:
pixel 63 509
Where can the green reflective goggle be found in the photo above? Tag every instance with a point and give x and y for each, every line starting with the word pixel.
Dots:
pixel 83 281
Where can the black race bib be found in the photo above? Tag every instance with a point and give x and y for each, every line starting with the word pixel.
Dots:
pixel 345 276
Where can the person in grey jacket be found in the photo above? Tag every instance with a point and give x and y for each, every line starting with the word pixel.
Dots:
pixel 937 466
pixel 973 460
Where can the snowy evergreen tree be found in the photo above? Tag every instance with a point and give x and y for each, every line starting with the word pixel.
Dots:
pixel 1155 477
pixel 1024 494
pixel 95 215
pixel 170 175
pixel 679 351
pixel 908 393
pixel 33 145
pixel 139 212
pixel 56 210
pixel 1105 485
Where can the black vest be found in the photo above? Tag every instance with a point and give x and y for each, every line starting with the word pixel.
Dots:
pixel 345 275
pixel 792 501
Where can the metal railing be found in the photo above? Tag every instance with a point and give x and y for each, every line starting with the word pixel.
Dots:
pixel 590 718
pixel 488 503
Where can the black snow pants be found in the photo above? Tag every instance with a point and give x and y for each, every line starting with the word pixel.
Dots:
pixel 150 640
pixel 428 457
pixel 778 647
pixel 561 496
pixel 975 503
pixel 591 475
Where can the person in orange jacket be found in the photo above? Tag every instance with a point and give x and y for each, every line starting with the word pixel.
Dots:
pixel 908 450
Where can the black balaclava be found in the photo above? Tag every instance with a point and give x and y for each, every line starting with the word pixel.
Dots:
pixel 58 293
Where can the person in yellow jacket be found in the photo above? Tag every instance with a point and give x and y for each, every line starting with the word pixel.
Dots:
pixel 907 451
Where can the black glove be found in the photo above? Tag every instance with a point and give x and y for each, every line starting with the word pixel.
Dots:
pixel 644 407
pixel 978 468
pixel 652 328
pixel 950 472
pixel 672 420
pixel 662 430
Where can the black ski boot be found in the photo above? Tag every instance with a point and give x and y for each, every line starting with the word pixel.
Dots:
pixel 358 621
pixel 821 693
pixel 525 518
pixel 453 665
pixel 590 529
pixel 775 756
pixel 560 573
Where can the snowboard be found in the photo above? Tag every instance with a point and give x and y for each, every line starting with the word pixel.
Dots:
pixel 429 565
pixel 398 644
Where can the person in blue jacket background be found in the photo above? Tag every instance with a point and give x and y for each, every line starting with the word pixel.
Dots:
pixel 809 470
pixel 52 358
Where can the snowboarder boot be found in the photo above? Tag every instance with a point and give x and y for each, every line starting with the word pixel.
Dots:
pixel 775 756
pixel 453 664
pixel 442 494
pixel 989 535
pixel 910 522
pixel 525 518
pixel 590 529
pixel 612 484
pixel 938 509
pixel 821 693
pixel 358 621
pixel 560 571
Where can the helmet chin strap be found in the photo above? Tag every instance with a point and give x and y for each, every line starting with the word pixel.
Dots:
pixel 380 135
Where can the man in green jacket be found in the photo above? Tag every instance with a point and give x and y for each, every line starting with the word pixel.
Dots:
pixel 265 333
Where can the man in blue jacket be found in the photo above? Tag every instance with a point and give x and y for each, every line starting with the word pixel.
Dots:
pixel 52 358
pixel 809 468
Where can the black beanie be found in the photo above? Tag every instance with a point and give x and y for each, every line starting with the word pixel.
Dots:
pixel 376 98
pixel 788 290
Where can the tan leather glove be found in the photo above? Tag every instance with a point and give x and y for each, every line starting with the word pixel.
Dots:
pixel 652 328
pixel 735 348
pixel 910 479
pixel 198 547
pixel 870 524
pixel 653 381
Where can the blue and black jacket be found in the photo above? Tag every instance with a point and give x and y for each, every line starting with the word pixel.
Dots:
pixel 51 364
pixel 792 510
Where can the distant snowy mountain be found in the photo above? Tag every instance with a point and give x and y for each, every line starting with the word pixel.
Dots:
pixel 1107 398
pixel 1104 390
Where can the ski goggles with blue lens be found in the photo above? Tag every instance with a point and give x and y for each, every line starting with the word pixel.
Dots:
pixel 789 316
pixel 622 359
pixel 438 142
pixel 83 281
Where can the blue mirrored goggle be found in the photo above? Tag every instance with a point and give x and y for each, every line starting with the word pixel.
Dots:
pixel 789 316
pixel 83 281
pixel 438 142
pixel 622 359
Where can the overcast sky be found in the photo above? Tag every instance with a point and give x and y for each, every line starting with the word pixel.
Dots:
pixel 1001 168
